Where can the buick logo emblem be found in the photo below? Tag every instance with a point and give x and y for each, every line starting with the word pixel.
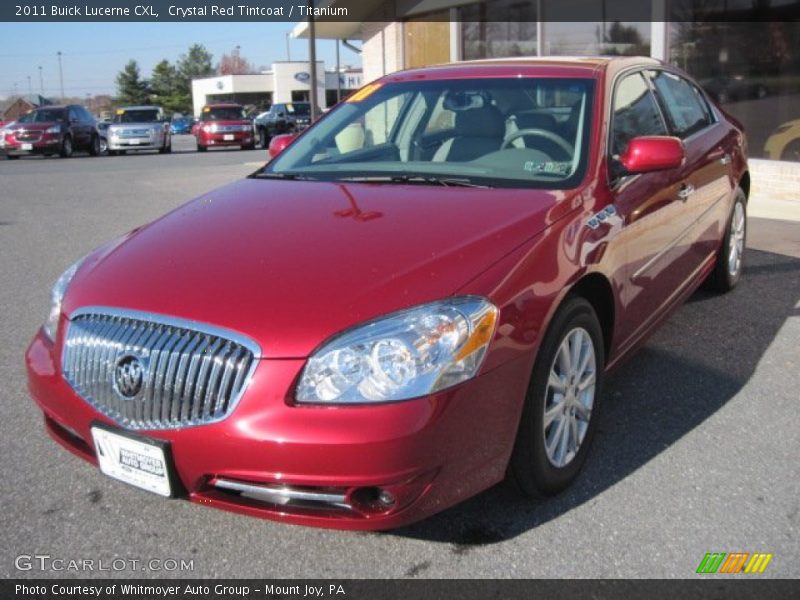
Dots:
pixel 128 376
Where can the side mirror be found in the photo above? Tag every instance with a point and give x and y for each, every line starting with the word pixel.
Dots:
pixel 281 114
pixel 653 153
pixel 278 144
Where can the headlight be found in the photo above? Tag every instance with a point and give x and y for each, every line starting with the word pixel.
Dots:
pixel 246 127
pixel 212 128
pixel 53 129
pixel 56 296
pixel 401 356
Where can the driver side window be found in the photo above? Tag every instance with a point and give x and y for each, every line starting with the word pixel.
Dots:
pixel 635 113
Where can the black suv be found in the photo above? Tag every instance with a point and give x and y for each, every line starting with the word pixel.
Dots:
pixel 283 117
pixel 53 130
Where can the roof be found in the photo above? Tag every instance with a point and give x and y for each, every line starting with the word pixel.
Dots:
pixel 223 105
pixel 140 107
pixel 555 65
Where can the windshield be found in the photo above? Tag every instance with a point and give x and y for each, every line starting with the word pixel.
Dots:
pixel 298 108
pixel 138 115
pixel 43 116
pixel 224 113
pixel 520 132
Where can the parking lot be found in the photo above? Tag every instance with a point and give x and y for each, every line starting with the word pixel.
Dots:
pixel 696 451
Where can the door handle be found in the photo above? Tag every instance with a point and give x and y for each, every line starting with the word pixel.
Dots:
pixel 687 189
pixel 726 159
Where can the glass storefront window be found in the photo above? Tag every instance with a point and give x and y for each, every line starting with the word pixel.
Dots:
pixel 509 31
pixel 601 38
pixel 753 71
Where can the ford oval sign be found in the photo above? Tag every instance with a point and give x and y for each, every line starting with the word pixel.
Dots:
pixel 302 76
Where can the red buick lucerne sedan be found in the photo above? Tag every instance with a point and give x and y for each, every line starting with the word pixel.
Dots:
pixel 419 297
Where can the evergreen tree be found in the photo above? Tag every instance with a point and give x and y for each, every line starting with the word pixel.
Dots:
pixel 132 89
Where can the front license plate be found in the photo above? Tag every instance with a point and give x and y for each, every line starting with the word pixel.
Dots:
pixel 227 137
pixel 134 142
pixel 133 459
pixel 27 146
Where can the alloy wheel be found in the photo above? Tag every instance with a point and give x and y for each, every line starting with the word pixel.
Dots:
pixel 736 240
pixel 569 397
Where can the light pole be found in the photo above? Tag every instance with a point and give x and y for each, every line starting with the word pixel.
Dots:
pixel 288 48
pixel 41 82
pixel 60 74
pixel 30 87
pixel 312 55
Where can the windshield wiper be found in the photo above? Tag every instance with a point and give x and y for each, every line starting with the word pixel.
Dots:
pixel 421 179
pixel 279 175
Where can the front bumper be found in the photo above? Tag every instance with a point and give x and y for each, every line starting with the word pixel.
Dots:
pixel 45 145
pixel 237 138
pixel 127 144
pixel 429 453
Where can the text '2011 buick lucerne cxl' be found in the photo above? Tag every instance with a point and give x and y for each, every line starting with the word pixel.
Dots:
pixel 416 299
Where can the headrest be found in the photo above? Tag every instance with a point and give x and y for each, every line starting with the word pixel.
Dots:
pixel 480 122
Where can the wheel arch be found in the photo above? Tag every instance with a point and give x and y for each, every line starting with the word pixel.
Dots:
pixel 744 183
pixel 596 289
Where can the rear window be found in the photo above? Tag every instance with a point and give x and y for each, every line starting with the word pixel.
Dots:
pixel 224 113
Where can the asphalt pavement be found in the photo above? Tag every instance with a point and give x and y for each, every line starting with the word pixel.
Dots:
pixel 697 450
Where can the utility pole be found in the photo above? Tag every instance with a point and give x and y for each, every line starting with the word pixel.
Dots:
pixel 288 48
pixel 30 87
pixel 312 53
pixel 41 82
pixel 60 75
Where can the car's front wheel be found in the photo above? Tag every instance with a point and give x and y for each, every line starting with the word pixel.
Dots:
pixel 94 146
pixel 560 412
pixel 730 258
pixel 66 147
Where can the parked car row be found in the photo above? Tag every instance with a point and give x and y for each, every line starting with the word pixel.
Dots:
pixel 63 130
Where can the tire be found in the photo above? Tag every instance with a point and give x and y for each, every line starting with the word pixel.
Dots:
pixel 66 147
pixel 12 157
pixel 201 148
pixel 730 258
pixel 539 468
pixel 113 153
pixel 791 151
pixel 264 138
pixel 103 145
pixel 166 148
pixel 94 146
pixel 249 147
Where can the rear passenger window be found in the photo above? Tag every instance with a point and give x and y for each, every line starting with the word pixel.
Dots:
pixel 686 108
pixel 635 113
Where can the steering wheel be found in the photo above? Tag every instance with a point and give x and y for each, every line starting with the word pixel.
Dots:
pixel 548 135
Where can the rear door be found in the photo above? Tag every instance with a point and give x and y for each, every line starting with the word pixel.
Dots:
pixel 707 181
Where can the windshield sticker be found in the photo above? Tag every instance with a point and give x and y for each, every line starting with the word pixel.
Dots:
pixel 120 111
pixel 364 93
pixel 550 167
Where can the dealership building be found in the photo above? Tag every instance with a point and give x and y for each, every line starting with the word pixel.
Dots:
pixel 288 81
pixel 753 68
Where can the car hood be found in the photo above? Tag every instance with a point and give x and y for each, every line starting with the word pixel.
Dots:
pixel 290 263
pixel 135 125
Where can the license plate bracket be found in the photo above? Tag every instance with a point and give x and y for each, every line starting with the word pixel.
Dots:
pixel 140 461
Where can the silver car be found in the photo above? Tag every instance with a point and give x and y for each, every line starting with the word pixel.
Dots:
pixel 139 128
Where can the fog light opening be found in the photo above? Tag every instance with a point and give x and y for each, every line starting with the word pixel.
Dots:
pixel 373 500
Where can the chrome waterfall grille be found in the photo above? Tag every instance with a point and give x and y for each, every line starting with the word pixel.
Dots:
pixel 152 372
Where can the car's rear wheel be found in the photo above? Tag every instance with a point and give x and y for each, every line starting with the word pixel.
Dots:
pixel 167 148
pixel 12 156
pixel 103 145
pixel 249 147
pixel 264 138
pixel 66 147
pixel 201 148
pixel 560 412
pixel 730 258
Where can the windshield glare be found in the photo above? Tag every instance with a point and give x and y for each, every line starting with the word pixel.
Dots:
pixel 520 132
pixel 138 116
pixel 43 116
pixel 297 108
pixel 227 113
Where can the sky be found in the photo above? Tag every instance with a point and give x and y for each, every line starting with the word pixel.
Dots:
pixel 93 53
